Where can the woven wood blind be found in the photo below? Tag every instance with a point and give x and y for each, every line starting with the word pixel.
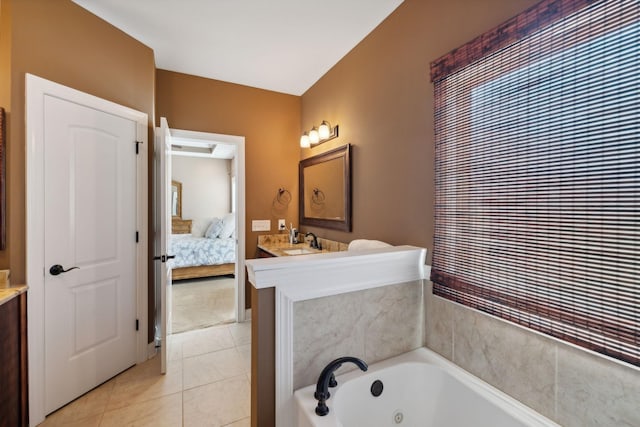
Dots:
pixel 538 177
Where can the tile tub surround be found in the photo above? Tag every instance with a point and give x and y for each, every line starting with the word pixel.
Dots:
pixel 294 279
pixel 372 324
pixel 572 386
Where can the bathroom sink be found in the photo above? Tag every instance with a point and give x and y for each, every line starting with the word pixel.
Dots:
pixel 300 251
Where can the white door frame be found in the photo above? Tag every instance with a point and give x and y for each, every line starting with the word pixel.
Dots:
pixel 36 89
pixel 239 164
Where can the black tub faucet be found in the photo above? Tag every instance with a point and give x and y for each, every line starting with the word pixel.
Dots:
pixel 327 378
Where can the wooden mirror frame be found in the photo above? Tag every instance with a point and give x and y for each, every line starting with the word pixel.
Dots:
pixel 342 224
pixel 178 185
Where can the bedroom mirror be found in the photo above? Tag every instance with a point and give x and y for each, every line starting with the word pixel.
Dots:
pixel 325 189
pixel 176 199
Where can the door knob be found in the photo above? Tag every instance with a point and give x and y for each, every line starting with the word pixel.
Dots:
pixel 57 269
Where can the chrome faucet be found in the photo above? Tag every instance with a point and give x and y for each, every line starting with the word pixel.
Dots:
pixel 327 379
pixel 314 243
pixel 293 235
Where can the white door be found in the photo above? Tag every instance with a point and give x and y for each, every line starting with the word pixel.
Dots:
pixel 163 148
pixel 89 223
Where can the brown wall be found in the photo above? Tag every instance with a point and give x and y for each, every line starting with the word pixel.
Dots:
pixel 270 123
pixel 382 97
pixel 5 57
pixel 62 42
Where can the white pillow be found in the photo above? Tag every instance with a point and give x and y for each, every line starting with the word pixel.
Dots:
pixel 199 226
pixel 214 229
pixel 229 221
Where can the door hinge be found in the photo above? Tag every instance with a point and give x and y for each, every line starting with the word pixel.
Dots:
pixel 137 325
pixel 137 237
pixel 137 145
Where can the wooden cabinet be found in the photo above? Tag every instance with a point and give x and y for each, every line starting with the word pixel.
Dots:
pixel 180 226
pixel 261 253
pixel 13 362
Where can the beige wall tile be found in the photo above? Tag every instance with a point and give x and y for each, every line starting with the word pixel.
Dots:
pixel 324 329
pixel 520 363
pixel 372 324
pixel 594 391
pixel 394 320
pixel 439 323
pixel 574 387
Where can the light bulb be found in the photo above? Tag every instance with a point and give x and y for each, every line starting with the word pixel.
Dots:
pixel 313 136
pixel 324 130
pixel 304 141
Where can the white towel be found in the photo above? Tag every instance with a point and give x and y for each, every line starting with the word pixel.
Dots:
pixel 364 244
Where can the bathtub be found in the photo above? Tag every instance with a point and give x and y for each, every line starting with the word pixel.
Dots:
pixel 419 388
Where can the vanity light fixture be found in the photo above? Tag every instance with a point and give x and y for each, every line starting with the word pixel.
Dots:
pixel 314 137
pixel 318 135
pixel 324 131
pixel 304 141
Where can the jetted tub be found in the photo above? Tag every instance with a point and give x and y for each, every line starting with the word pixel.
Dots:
pixel 419 388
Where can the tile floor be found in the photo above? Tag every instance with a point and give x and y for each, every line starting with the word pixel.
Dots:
pixel 207 384
pixel 200 303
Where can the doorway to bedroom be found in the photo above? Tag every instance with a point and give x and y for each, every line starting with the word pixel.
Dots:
pixel 204 223
pixel 202 236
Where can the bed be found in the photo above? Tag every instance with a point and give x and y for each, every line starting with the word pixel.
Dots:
pixel 212 254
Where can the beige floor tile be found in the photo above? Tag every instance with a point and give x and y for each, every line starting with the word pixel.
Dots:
pixel 89 405
pixel 211 367
pixel 150 368
pixel 207 341
pixel 245 422
pixel 54 421
pixel 217 404
pixel 241 332
pixel 165 411
pixel 245 354
pixel 174 351
pixel 180 337
pixel 146 386
pixel 201 303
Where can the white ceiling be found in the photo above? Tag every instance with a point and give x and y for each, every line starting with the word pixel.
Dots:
pixel 280 45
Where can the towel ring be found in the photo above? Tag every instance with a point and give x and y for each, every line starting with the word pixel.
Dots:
pixel 318 196
pixel 284 196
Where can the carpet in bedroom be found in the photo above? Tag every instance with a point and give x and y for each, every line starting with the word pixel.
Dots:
pixel 200 303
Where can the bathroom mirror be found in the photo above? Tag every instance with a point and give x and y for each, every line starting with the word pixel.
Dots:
pixel 325 189
pixel 176 199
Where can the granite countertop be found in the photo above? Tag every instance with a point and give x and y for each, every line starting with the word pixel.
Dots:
pixel 278 245
pixel 279 248
pixel 6 294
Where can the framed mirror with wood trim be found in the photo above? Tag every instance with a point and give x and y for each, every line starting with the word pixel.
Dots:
pixel 325 189
pixel 176 199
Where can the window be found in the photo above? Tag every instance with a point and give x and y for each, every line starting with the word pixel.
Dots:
pixel 538 173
